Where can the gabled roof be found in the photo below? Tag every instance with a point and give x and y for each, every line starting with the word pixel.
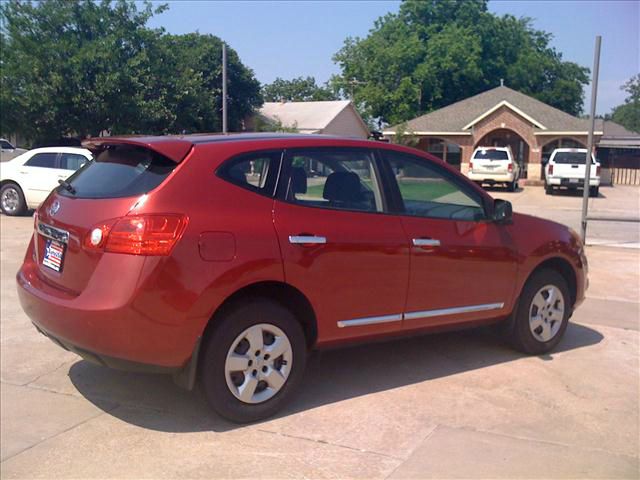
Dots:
pixel 306 117
pixel 462 115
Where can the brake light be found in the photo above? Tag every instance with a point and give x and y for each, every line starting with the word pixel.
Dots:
pixel 551 169
pixel 510 167
pixel 138 234
pixel 598 171
pixel 470 165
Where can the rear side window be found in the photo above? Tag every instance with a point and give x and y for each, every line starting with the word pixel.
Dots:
pixel 491 155
pixel 120 171
pixel 43 160
pixel 6 145
pixel 576 158
pixel 257 172
pixel 72 161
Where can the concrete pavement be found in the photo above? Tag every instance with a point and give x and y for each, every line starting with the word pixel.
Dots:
pixel 457 405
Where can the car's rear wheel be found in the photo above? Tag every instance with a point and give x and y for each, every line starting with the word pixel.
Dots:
pixel 548 189
pixel 542 314
pixel 594 191
pixel 512 186
pixel 253 361
pixel 12 200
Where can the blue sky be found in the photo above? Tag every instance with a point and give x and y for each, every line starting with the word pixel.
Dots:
pixel 298 38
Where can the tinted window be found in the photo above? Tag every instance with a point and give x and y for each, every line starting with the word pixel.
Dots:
pixel 72 161
pixel 256 171
pixel 332 178
pixel 577 158
pixel 120 171
pixel 6 145
pixel 44 160
pixel 491 155
pixel 429 191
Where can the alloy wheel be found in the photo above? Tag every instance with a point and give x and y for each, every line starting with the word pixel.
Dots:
pixel 10 200
pixel 258 363
pixel 546 313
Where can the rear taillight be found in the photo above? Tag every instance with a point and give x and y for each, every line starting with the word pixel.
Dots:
pixel 598 171
pixel 510 167
pixel 470 165
pixel 138 234
pixel 551 169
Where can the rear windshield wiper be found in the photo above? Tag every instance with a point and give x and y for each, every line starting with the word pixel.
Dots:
pixel 67 186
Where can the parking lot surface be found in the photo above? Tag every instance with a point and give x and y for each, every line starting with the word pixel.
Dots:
pixel 456 405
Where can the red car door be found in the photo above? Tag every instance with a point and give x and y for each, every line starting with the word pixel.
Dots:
pixel 338 248
pixel 463 267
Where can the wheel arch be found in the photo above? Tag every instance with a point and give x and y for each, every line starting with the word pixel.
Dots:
pixel 283 293
pixel 564 268
pixel 8 181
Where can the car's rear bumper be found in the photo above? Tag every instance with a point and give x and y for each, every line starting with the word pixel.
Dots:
pixel 572 182
pixel 115 331
pixel 491 177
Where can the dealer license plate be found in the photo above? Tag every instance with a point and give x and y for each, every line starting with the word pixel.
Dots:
pixel 53 255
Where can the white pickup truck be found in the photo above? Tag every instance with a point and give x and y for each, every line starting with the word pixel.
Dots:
pixel 566 168
pixel 494 165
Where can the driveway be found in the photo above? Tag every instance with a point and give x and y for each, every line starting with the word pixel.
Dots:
pixel 442 406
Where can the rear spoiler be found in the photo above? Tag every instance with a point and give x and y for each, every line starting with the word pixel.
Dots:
pixel 174 148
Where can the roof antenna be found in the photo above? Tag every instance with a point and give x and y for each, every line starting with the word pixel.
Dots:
pixel 502 82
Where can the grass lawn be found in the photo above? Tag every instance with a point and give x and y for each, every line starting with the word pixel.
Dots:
pixel 411 190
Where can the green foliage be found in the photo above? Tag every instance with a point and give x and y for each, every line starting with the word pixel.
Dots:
pixel 405 136
pixel 263 124
pixel 628 114
pixel 81 67
pixel 436 52
pixel 297 90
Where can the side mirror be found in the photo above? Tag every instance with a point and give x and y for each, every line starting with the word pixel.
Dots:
pixel 502 211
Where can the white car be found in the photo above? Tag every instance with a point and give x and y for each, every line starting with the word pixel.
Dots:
pixel 566 168
pixel 26 180
pixel 494 165
pixel 8 151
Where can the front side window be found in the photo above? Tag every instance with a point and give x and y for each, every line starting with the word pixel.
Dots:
pixel 43 160
pixel 334 178
pixel 428 191
pixel 254 171
pixel 72 161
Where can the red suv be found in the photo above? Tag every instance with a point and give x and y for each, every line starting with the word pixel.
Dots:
pixel 227 258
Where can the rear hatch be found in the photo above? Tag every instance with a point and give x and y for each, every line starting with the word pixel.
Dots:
pixel 572 165
pixel 491 161
pixel 99 193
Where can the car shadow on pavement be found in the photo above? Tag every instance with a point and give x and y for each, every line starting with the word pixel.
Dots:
pixel 154 402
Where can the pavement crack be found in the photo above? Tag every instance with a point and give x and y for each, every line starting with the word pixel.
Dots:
pixel 325 442
pixel 424 439
pixel 47 373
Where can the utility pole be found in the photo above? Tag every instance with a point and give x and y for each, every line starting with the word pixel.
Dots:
pixel 224 87
pixel 587 170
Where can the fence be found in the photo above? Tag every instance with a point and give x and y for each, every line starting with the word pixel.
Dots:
pixel 625 176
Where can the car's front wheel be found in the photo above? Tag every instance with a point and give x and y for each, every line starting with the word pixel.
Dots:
pixel 253 360
pixel 542 314
pixel 12 200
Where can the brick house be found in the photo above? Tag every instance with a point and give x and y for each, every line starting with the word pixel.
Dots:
pixel 501 117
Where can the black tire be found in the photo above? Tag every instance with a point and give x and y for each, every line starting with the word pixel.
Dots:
pixel 519 331
pixel 14 190
pixel 512 186
pixel 548 189
pixel 232 323
pixel 594 191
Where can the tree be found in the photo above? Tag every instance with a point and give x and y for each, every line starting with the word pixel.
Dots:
pixel 297 90
pixel 81 67
pixel 433 53
pixel 628 114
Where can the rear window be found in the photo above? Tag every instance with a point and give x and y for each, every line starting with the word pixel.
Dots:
pixel 120 171
pixel 578 158
pixel 491 155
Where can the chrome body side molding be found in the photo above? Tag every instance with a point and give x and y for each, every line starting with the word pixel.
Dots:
pixel 422 314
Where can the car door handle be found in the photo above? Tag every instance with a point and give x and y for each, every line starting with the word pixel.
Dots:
pixel 307 240
pixel 426 242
